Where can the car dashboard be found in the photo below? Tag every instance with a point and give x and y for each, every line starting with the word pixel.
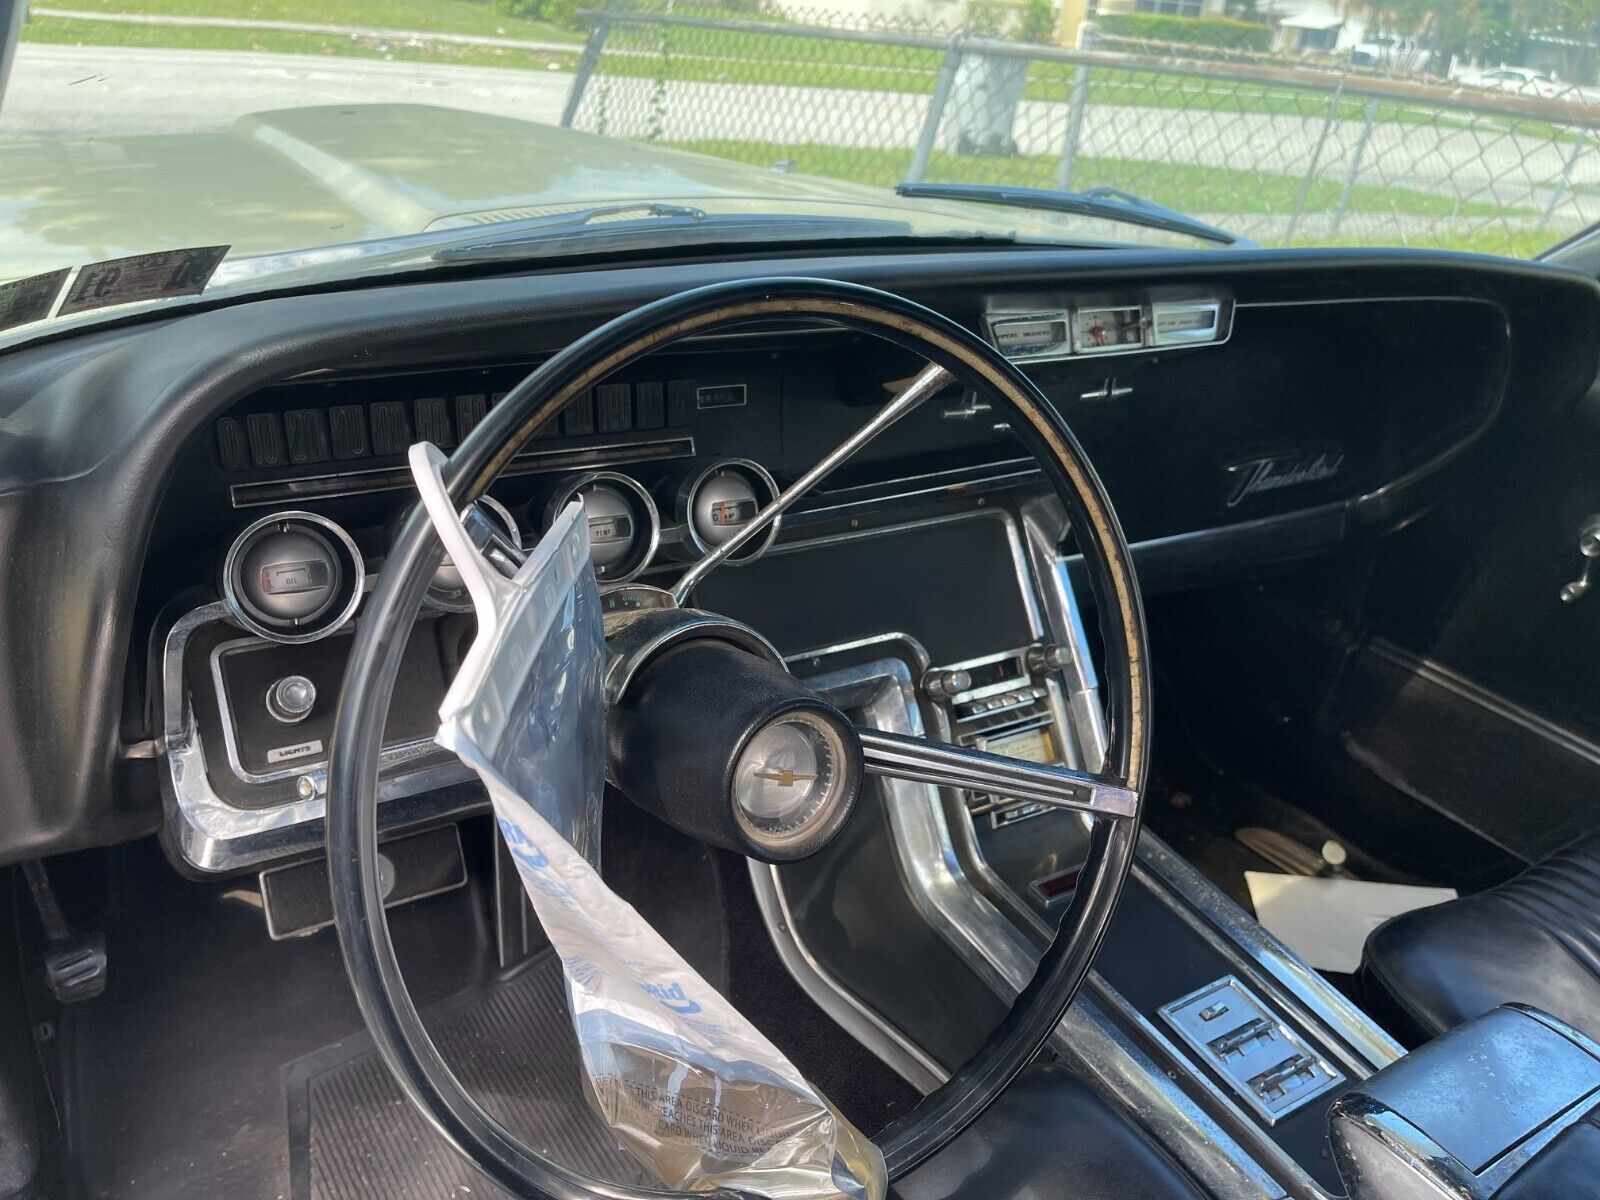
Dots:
pixel 210 496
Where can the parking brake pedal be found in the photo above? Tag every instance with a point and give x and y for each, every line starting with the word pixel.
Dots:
pixel 74 960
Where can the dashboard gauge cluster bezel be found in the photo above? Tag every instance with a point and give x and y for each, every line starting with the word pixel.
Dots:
pixel 348 580
pixel 764 488
pixel 641 551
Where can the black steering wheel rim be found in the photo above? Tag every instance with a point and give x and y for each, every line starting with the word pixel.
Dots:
pixel 392 607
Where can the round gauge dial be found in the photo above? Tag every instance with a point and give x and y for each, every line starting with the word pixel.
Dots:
pixel 789 780
pixel 292 577
pixel 718 502
pixel 624 527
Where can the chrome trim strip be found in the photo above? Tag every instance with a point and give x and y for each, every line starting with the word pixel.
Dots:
pixel 1022 465
pixel 893 1048
pixel 307 488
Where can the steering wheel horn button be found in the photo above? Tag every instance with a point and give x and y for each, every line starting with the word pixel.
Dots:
pixel 790 780
pixel 717 739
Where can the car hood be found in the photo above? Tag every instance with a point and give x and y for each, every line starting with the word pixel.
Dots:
pixel 318 176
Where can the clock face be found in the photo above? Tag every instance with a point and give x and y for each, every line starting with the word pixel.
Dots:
pixel 1096 330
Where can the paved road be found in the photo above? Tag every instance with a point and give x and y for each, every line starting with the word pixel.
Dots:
pixel 105 91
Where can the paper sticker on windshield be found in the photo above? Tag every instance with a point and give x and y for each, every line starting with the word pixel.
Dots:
pixel 142 277
pixel 24 300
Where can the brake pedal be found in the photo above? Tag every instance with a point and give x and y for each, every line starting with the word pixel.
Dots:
pixel 75 960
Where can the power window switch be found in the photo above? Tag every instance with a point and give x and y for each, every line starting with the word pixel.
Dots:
pixel 1243 1040
pixel 1287 1077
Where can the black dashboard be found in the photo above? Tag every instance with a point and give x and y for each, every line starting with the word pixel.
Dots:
pixel 1335 394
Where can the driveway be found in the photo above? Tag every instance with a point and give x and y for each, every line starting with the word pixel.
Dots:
pixel 107 91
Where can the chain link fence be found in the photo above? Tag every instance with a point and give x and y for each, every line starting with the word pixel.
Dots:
pixel 1283 151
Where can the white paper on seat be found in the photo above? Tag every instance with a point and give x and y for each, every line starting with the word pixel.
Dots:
pixel 1326 921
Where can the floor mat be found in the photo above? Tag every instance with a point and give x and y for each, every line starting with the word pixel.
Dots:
pixel 353 1135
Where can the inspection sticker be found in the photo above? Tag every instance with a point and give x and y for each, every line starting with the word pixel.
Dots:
pixel 24 300
pixel 143 277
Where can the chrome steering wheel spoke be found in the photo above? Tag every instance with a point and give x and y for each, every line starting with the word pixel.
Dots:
pixel 918 760
pixel 927 382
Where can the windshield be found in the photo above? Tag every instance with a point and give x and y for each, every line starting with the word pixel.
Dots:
pixel 252 141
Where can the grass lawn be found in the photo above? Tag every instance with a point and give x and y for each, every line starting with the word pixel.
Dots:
pixel 65 31
pixel 431 16
pixel 1183 186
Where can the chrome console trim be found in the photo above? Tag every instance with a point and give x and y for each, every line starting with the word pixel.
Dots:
pixel 883 694
pixel 1301 991
pixel 212 835
pixel 1201 904
pixel 893 1048
pixel 999 950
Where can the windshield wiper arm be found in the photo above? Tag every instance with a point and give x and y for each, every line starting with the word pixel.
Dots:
pixel 1106 203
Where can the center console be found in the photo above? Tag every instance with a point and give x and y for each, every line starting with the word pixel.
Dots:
pixel 1230 1048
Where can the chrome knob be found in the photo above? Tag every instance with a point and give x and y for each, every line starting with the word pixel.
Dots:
pixel 291 699
pixel 941 684
pixel 1047 657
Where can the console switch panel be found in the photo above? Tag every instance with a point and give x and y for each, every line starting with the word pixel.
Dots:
pixel 1234 1033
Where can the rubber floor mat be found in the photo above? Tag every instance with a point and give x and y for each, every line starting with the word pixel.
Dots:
pixel 354 1136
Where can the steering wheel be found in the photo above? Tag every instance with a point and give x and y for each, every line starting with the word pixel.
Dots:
pixel 1112 796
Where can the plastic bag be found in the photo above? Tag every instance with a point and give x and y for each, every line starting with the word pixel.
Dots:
pixel 685 1082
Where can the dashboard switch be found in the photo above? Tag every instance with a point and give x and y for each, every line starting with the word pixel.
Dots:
pixel 291 699
pixel 1047 657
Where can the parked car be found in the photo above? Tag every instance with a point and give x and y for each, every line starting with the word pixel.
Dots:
pixel 1523 80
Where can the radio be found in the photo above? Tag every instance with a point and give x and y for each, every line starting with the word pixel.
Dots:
pixel 1002 703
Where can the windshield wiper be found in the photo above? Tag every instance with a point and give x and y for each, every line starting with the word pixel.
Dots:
pixel 1106 203
pixel 687 225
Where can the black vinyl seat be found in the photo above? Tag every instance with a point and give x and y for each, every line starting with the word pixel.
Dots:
pixel 1534 939
pixel 1049 1137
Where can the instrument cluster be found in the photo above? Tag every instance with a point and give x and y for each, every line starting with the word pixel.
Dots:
pixel 297 576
